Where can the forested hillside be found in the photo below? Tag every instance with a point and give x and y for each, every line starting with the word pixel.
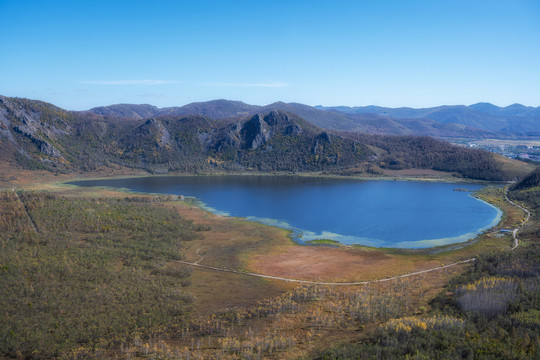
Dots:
pixel 530 182
pixel 41 136
pixel 37 135
pixel 403 152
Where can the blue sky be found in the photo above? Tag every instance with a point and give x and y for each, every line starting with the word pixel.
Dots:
pixel 80 54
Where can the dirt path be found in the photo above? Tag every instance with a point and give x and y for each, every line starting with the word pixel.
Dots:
pixel 515 245
pixel 514 232
pixel 26 210
pixel 322 282
pixel 200 256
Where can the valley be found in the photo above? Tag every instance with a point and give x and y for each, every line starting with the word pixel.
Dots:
pixel 269 180
pixel 176 281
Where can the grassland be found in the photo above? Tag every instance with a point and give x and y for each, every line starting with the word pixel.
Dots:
pixel 88 273
pixel 100 279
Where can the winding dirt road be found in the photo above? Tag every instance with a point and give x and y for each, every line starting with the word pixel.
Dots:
pixel 514 232
pixel 515 245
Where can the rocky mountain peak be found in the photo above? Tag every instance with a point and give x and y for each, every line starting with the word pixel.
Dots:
pixel 255 132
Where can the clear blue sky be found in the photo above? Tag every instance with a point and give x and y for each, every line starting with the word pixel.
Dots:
pixel 78 54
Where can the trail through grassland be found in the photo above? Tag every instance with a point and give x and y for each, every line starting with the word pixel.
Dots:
pixel 514 246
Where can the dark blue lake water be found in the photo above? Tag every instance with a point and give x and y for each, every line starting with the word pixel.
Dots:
pixel 401 214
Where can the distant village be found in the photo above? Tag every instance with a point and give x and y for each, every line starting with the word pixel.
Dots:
pixel 521 152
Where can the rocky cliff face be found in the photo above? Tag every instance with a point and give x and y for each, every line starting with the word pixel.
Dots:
pixel 255 132
pixel 258 130
pixel 30 130
pixel 152 131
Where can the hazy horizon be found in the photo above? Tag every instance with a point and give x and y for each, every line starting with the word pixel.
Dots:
pixel 236 100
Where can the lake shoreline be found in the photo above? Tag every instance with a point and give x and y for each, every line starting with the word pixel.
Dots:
pixel 296 234
pixel 446 179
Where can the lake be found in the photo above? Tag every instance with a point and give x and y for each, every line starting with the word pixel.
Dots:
pixel 398 214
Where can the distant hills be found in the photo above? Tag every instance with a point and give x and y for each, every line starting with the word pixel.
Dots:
pixel 230 136
pixel 515 119
pixel 216 109
pixel 482 120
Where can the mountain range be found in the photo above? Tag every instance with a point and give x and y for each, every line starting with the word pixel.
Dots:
pixel 513 119
pixel 482 120
pixel 224 136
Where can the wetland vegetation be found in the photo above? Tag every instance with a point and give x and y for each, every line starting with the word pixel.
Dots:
pixel 100 279
pixel 398 214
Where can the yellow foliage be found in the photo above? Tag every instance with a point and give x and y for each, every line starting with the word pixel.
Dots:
pixel 407 324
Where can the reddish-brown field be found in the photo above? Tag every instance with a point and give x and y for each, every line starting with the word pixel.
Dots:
pixel 322 263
